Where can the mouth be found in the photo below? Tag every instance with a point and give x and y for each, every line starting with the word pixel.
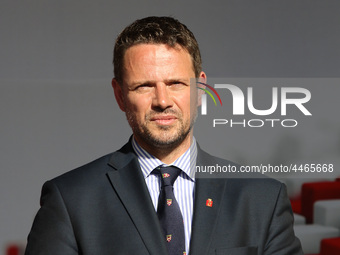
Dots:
pixel 164 119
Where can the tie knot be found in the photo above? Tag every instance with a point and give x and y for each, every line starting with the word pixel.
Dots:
pixel 168 174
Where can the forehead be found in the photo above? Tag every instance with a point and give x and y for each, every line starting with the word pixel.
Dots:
pixel 155 59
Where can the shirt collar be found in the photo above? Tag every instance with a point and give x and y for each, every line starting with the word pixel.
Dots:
pixel 186 162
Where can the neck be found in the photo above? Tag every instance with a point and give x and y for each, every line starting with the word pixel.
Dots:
pixel 167 153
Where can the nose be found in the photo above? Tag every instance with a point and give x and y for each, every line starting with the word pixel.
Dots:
pixel 162 98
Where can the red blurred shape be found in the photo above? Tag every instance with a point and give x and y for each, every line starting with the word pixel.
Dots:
pixel 312 192
pixel 13 250
pixel 330 246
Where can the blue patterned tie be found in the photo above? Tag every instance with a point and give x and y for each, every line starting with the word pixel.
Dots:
pixel 169 213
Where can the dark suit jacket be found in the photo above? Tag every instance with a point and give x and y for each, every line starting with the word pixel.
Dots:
pixel 105 208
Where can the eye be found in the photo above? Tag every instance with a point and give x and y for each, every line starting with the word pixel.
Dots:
pixel 142 88
pixel 177 85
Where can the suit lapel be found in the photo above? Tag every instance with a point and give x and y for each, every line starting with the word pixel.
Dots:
pixel 205 216
pixel 129 184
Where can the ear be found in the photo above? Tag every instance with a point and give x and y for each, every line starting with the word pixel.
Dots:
pixel 117 88
pixel 201 78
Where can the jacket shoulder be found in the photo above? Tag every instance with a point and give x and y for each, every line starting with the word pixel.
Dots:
pixel 90 170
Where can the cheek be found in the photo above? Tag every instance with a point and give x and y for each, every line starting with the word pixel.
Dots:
pixel 185 106
pixel 137 105
pixel 188 99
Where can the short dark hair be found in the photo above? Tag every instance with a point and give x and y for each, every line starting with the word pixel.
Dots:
pixel 155 30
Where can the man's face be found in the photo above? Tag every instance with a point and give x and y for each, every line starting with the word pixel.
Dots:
pixel 156 94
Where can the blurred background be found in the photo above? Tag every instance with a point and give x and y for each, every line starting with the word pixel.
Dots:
pixel 58 112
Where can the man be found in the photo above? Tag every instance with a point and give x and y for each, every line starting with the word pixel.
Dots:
pixel 124 203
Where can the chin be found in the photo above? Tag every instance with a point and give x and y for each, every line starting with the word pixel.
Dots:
pixel 167 140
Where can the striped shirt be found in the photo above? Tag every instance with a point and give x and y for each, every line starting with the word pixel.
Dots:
pixel 183 186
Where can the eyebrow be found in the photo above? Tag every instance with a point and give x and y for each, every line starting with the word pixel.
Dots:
pixel 167 81
pixel 183 80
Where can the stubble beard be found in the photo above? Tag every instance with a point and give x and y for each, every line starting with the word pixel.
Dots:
pixel 165 138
